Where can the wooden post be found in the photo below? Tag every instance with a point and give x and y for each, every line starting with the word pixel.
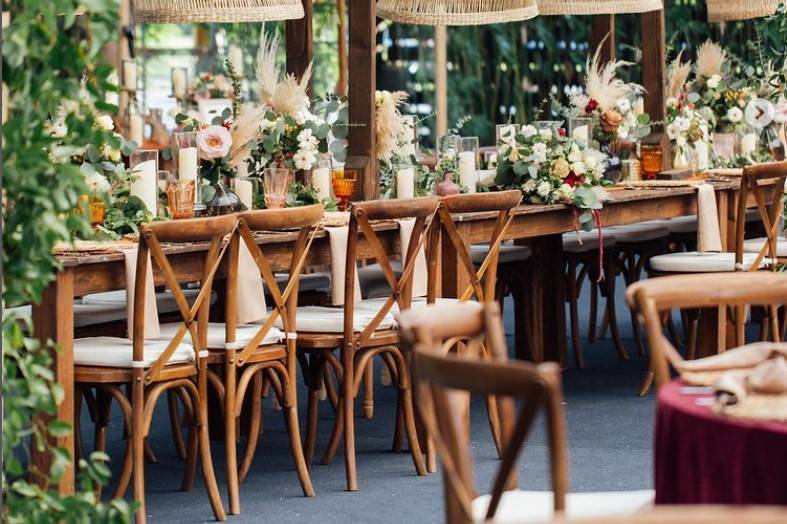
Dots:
pixel 654 76
pixel 441 78
pixel 363 83
pixel 602 34
pixel 341 12
pixel 299 42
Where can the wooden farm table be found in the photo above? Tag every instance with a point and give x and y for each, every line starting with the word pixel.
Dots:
pixel 542 225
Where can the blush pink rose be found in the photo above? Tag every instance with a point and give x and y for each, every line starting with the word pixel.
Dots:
pixel 214 142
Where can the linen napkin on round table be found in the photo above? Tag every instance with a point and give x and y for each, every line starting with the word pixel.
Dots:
pixel 708 229
pixel 420 271
pixel 151 308
pixel 338 240
pixel 250 293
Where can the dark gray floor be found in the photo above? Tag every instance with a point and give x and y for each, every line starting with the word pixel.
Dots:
pixel 610 444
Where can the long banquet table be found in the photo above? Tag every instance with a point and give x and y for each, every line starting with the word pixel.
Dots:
pixel 539 225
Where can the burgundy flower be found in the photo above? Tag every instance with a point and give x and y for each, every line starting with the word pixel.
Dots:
pixel 561 131
pixel 591 106
pixel 573 180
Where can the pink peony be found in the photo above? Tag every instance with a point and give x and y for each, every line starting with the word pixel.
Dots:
pixel 214 142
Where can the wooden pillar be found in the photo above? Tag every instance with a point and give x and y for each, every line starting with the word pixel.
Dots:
pixel 341 12
pixel 299 42
pixel 363 83
pixel 441 78
pixel 602 35
pixel 654 76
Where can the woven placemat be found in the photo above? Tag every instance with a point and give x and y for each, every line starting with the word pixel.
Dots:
pixel 660 184
pixel 335 218
pixel 93 246
pixel 726 171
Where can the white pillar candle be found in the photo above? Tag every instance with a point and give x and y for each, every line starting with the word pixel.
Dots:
pixel 130 75
pixel 321 182
pixel 145 187
pixel 639 106
pixel 467 171
pixel 236 59
pixel 580 133
pixel 179 82
pixel 703 155
pixel 187 163
pixel 245 191
pixel 136 129
pixel 405 183
pixel 749 144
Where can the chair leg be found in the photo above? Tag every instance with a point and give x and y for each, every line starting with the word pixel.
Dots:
pixel 103 411
pixel 368 391
pixel 493 415
pixel 336 434
pixel 316 370
pixel 593 316
pixel 647 383
pixel 398 436
pixel 138 446
pixel 174 422
pixel 78 449
pixel 291 419
pixel 230 433
pixel 519 294
pixel 208 474
pixel 409 415
pixel 348 420
pixel 255 424
pixel 633 276
pixel 190 466
pixel 609 286
pixel 571 289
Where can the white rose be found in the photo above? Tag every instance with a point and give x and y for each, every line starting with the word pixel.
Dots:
pixel 529 186
pixel 624 106
pixel 529 131
pixel 58 129
pixel 574 156
pixel 713 82
pixel 546 134
pixel 683 124
pixel 544 188
pixel 673 132
pixel 566 192
pixel 578 168
pixel 97 183
pixel 734 115
pixel 672 102
pixel 105 122
pixel 111 153
pixel 540 149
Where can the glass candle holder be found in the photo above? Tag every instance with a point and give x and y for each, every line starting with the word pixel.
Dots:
pixel 581 128
pixel 505 133
pixel 180 198
pixel 651 160
pixel 552 125
pixel 249 190
pixel 186 158
pixel 468 163
pixel 773 143
pixel 179 77
pixel 448 145
pixel 724 145
pixel 144 166
pixel 276 182
pixel 410 148
pixel 321 178
pixel 343 182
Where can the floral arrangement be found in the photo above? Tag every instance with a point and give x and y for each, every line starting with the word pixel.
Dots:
pixel 686 127
pixel 208 85
pixel 615 106
pixel 551 168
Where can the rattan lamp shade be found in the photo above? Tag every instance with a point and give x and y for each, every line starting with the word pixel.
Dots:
pixel 190 11
pixel 597 7
pixel 724 10
pixel 456 12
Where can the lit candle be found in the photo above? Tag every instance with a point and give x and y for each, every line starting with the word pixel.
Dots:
pixel 187 163
pixel 245 191
pixel 405 183
pixel 580 133
pixel 130 75
pixel 145 187
pixel 179 82
pixel 468 177
pixel 136 129
pixel 236 59
pixel 748 144
pixel 703 155
pixel 321 182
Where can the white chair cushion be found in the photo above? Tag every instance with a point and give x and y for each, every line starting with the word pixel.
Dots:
pixel 685 224
pixel 507 253
pixel 589 241
pixel 320 281
pixel 217 334
pixel 537 506
pixel 695 262
pixel 642 232
pixel 118 352
pixel 753 245
pixel 322 319
pixel 165 300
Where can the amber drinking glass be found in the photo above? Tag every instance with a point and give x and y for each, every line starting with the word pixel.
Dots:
pixel 180 198
pixel 651 160
pixel 343 183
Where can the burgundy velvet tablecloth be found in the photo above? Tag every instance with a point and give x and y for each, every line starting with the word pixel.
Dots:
pixel 704 458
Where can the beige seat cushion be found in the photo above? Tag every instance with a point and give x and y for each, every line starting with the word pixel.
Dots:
pixel 587 241
pixel 753 245
pixel 116 352
pixel 217 334
pixel 537 506
pixel 694 262
pixel 507 253
pixel 643 232
pixel 683 225
pixel 323 319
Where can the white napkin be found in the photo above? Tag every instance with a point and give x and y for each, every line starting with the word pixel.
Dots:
pixel 250 294
pixel 151 309
pixel 338 240
pixel 420 271
pixel 708 229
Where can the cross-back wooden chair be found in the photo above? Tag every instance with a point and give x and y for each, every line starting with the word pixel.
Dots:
pixel 264 350
pixel 149 368
pixel 447 381
pixel 653 298
pixel 363 330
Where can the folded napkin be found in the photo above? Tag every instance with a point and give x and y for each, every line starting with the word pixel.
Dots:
pixel 338 240
pixel 151 309
pixel 708 229
pixel 250 294
pixel 420 271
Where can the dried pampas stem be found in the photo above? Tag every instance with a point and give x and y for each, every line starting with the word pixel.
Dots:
pixel 388 123
pixel 710 59
pixel 284 94
pixel 678 75
pixel 602 84
pixel 244 130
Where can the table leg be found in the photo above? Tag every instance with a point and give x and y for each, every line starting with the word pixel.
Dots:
pixel 53 319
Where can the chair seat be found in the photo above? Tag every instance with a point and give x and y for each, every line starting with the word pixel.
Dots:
pixel 586 241
pixel 642 232
pixel 537 506
pixel 116 352
pixel 320 281
pixel 507 253
pixel 323 319
pixel 753 245
pixel 372 279
pixel 683 225
pixel 695 262
pixel 216 334
pixel 84 314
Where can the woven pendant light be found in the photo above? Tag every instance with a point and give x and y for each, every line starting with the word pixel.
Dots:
pixel 597 7
pixel 725 10
pixel 456 12
pixel 191 11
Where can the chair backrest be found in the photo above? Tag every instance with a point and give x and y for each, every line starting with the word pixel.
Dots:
pixel 765 183
pixel 215 230
pixel 285 301
pixel 653 298
pixel 423 210
pixel 445 382
pixel 483 278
